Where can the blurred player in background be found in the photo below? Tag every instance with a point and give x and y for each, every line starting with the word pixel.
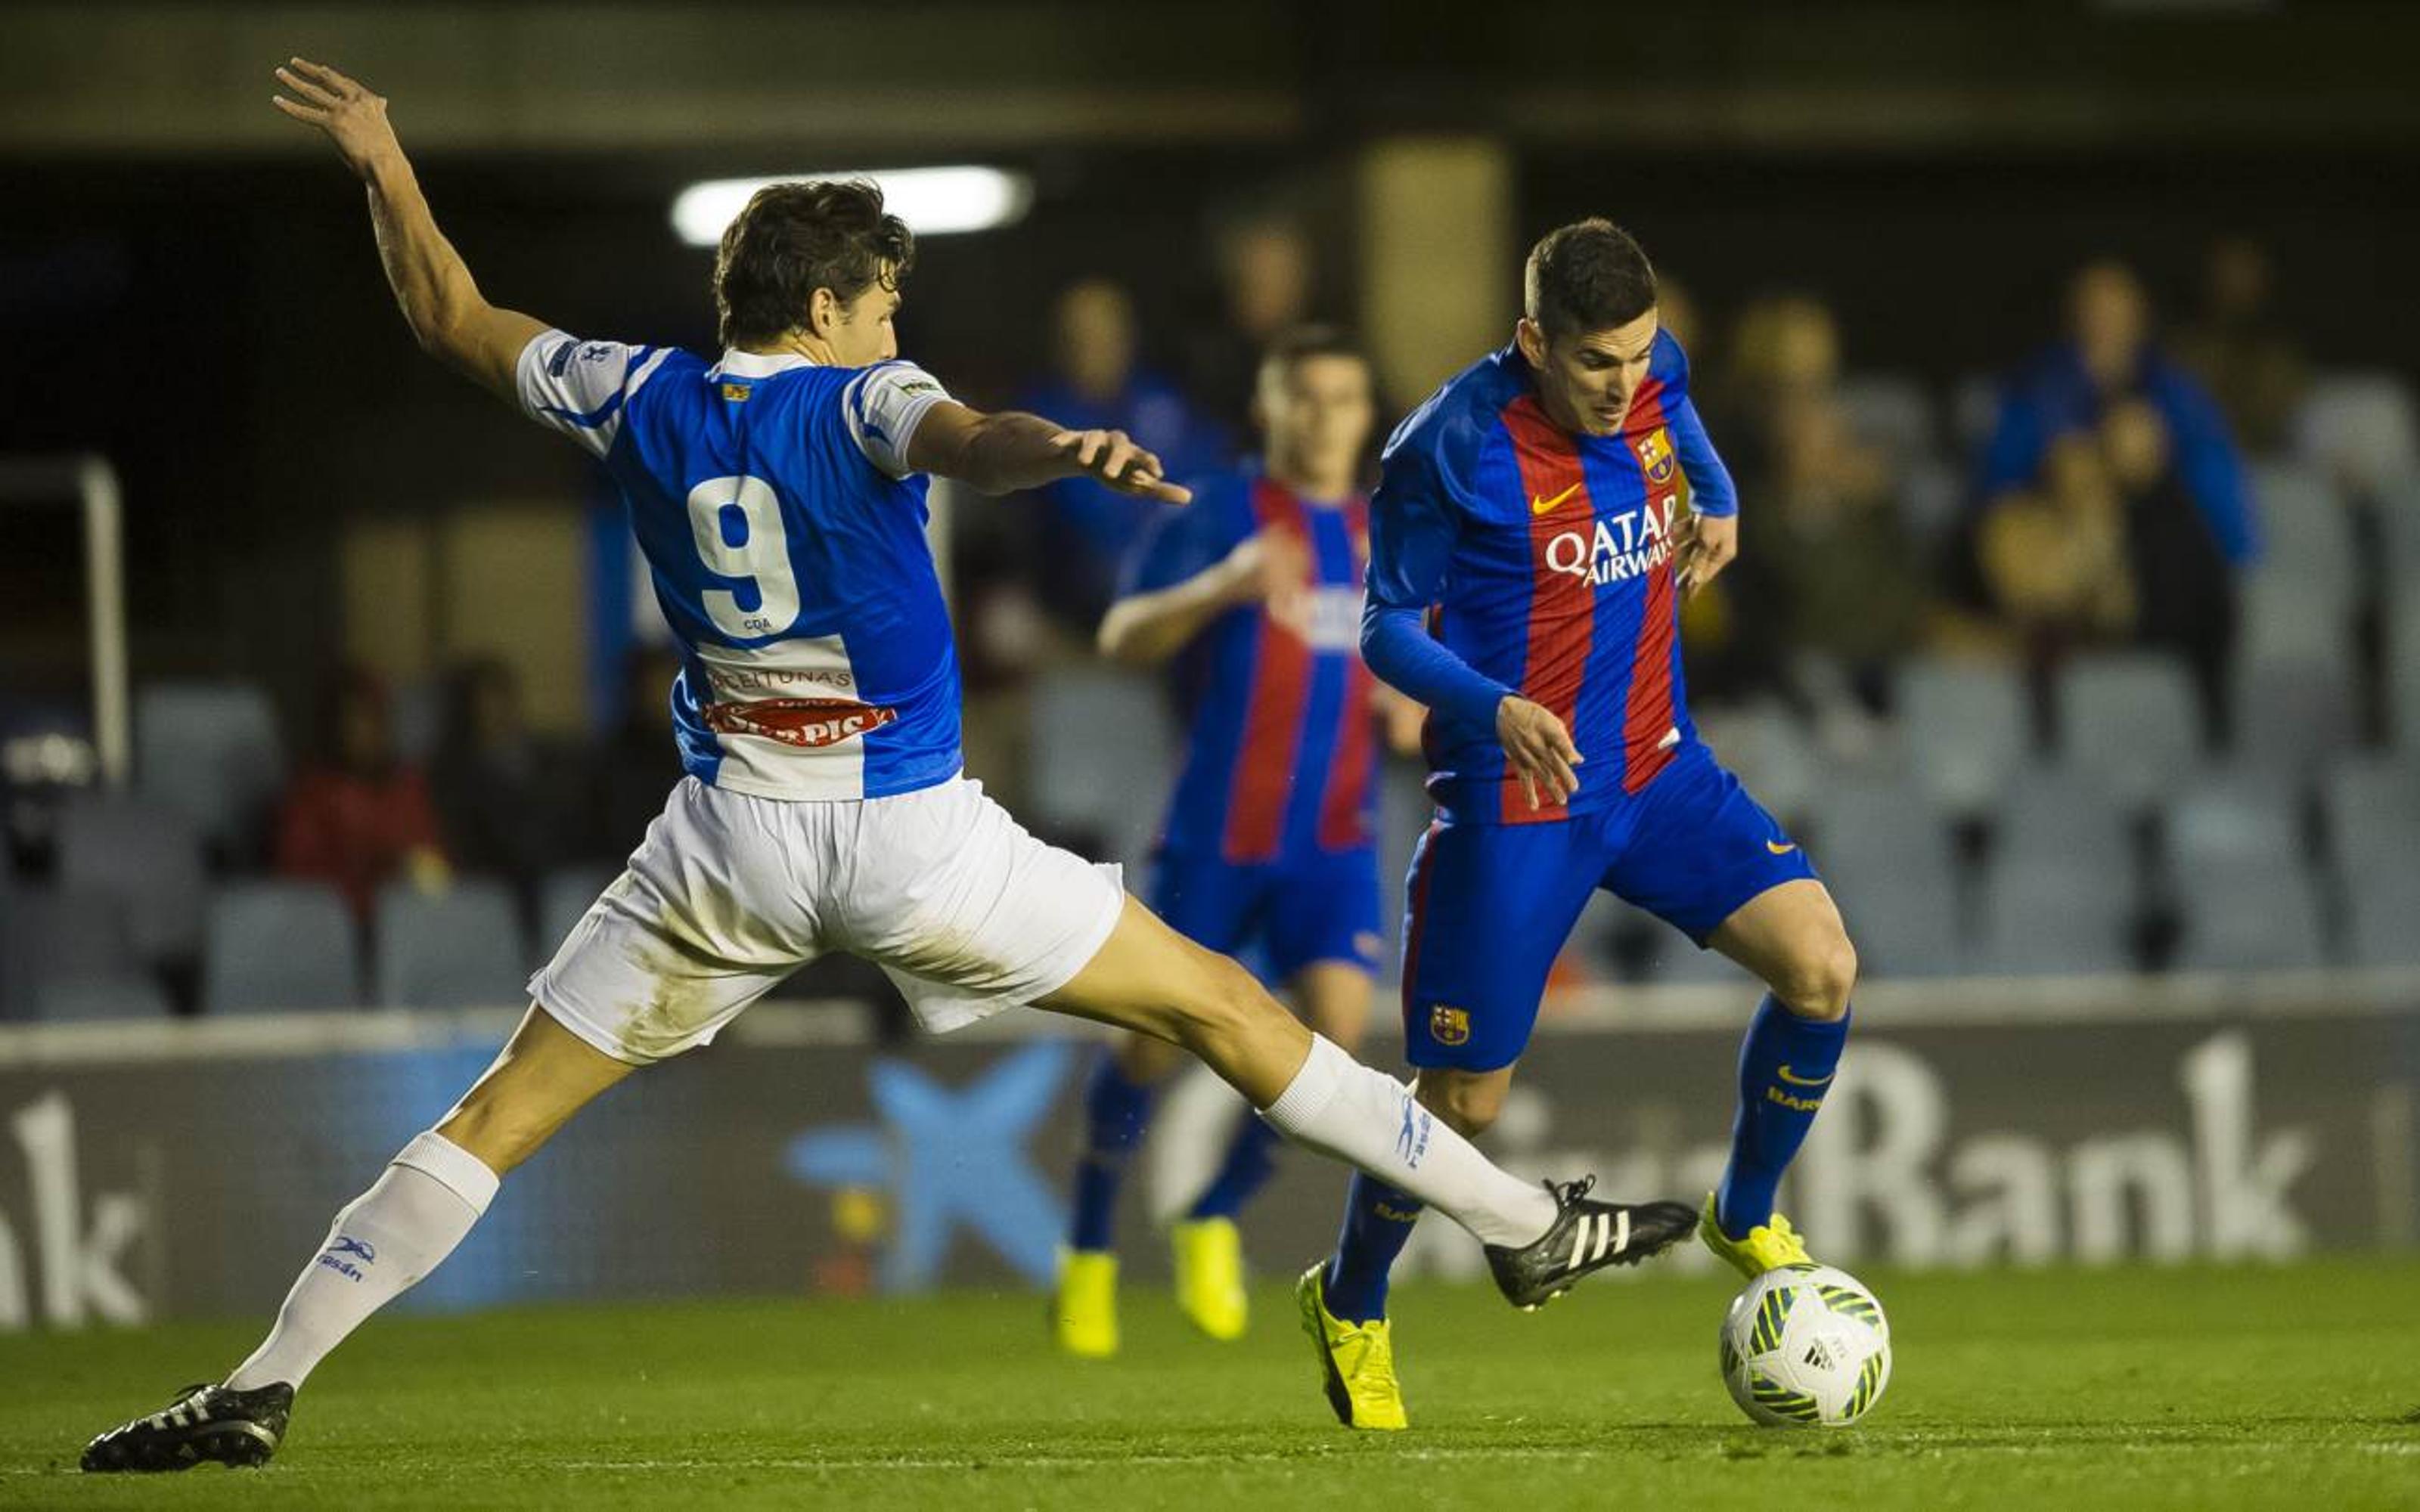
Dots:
pixel 1255 590
pixel 779 497
pixel 1537 524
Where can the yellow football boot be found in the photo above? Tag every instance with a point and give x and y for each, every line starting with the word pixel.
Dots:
pixel 1356 1360
pixel 1210 1276
pixel 1768 1246
pixel 1084 1313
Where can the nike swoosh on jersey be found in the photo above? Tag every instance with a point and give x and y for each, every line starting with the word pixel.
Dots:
pixel 1546 506
pixel 1805 1081
pixel 1779 849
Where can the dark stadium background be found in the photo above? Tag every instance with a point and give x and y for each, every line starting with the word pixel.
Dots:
pixel 188 291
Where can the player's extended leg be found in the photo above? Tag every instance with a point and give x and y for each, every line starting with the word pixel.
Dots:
pixel 1117 1112
pixel 1149 978
pixel 381 1244
pixel 1791 936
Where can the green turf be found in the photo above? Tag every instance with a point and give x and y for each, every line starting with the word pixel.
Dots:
pixel 2199 1388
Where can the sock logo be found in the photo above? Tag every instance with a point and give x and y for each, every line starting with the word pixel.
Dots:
pixel 1800 1104
pixel 1412 1140
pixel 343 1246
pixel 1805 1081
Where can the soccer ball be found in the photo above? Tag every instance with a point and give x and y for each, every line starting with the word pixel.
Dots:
pixel 1806 1346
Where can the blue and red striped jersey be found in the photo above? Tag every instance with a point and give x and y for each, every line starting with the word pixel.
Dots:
pixel 1280 757
pixel 1542 560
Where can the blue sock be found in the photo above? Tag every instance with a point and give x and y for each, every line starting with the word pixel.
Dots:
pixel 1116 1113
pixel 1377 1224
pixel 1786 1065
pixel 1251 1156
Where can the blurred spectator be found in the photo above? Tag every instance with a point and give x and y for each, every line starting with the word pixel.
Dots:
pixel 357 816
pixel 1266 282
pixel 2105 418
pixel 2241 349
pixel 504 801
pixel 1086 527
pixel 636 766
pixel 1832 594
pixel 2056 559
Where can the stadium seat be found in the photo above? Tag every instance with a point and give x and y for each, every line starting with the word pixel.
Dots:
pixel 211 751
pixel 1967 729
pixel 2398 528
pixel 2373 805
pixel 2058 918
pixel 2381 907
pixel 145 858
pixel 2053 815
pixel 2235 870
pixel 2403 675
pixel 2361 426
pixel 2059 894
pixel 2299 599
pixel 120 996
pixel 1888 860
pixel 52 938
pixel 279 945
pixel 562 899
pixel 2292 717
pixel 1892 410
pixel 462 947
pixel 1771 751
pixel 2129 720
pixel 1101 756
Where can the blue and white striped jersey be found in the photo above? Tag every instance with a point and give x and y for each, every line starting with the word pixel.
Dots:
pixel 785 536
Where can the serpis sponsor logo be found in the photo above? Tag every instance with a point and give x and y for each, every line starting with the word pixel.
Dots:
pixel 1618 547
pixel 806 723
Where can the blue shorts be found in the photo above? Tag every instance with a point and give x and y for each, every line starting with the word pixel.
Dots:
pixel 1491 905
pixel 1298 912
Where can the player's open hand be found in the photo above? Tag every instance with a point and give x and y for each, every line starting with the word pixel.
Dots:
pixel 1708 548
pixel 1538 749
pixel 1111 456
pixel 354 117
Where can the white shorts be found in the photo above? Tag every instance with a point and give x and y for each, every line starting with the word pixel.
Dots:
pixel 729 894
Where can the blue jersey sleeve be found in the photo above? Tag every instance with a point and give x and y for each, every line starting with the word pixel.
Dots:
pixel 1414 518
pixel 1710 489
pixel 1185 542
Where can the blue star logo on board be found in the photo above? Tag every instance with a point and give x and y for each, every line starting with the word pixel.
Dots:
pixel 951 1158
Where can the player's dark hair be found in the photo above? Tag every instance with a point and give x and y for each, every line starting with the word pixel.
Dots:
pixel 794 238
pixel 1589 275
pixel 1297 343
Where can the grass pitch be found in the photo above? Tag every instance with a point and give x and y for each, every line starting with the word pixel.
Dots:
pixel 2198 1388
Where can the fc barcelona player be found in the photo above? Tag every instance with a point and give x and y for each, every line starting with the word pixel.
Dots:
pixel 1536 526
pixel 1253 594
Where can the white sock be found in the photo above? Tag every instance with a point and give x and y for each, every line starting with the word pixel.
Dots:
pixel 386 1240
pixel 1340 1107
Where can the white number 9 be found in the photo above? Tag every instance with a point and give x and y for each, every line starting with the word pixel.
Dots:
pixel 761 555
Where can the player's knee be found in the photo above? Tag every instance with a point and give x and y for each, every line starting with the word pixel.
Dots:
pixel 1821 979
pixel 1468 1105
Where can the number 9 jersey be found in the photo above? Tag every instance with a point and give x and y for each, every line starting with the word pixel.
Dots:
pixel 785 537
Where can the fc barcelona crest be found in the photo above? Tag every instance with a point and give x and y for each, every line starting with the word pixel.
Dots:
pixel 1450 1026
pixel 1655 454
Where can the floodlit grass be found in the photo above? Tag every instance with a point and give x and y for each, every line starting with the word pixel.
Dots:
pixel 2199 1388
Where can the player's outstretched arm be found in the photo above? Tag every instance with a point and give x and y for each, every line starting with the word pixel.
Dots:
pixel 1146 629
pixel 1004 451
pixel 441 300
